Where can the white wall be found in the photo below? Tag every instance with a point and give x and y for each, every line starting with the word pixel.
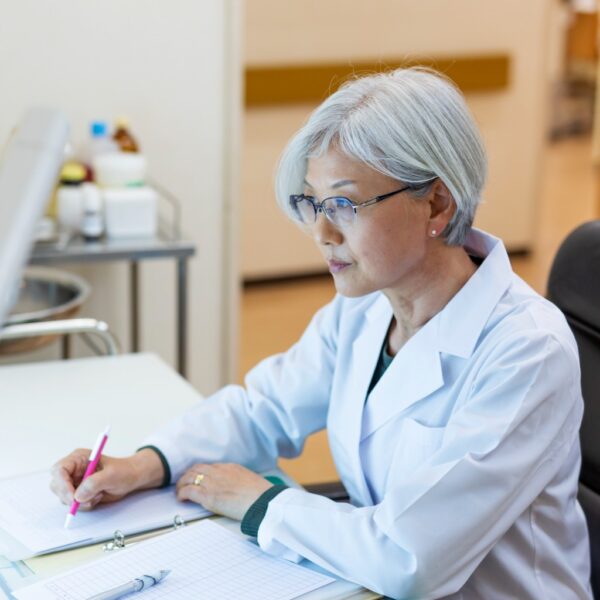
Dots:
pixel 173 68
pixel 513 121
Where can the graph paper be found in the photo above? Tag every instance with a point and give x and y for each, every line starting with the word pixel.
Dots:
pixel 206 561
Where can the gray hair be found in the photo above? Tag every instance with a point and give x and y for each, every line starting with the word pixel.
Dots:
pixel 410 124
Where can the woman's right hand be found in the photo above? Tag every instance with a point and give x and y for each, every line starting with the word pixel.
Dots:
pixel 113 479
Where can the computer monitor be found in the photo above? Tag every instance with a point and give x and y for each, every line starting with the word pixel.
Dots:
pixel 29 168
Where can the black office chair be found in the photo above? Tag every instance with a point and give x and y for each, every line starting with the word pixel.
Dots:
pixel 574 286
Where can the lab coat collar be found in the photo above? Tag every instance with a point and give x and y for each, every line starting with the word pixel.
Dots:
pixel 416 371
pixel 460 323
pixel 463 319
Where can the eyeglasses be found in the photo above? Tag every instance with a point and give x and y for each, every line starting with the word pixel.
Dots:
pixel 341 211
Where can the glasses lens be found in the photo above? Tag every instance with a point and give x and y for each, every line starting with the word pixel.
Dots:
pixel 339 211
pixel 302 209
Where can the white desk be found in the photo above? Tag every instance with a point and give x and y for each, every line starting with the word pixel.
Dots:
pixel 48 409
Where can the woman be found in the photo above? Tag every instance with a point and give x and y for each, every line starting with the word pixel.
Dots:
pixel 449 388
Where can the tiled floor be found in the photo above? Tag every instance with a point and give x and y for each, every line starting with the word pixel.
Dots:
pixel 274 315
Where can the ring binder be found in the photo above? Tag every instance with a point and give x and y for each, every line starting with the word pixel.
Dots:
pixel 178 522
pixel 139 513
pixel 211 562
pixel 119 540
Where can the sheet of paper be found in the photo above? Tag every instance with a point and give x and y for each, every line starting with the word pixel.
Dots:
pixel 206 561
pixel 31 514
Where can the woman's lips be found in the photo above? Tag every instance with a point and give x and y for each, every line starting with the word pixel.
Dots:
pixel 335 266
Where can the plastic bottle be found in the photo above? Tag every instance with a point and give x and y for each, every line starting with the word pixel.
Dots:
pixel 92 222
pixel 100 142
pixel 69 198
pixel 122 136
pixel 69 160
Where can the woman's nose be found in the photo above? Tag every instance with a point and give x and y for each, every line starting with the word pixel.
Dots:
pixel 325 232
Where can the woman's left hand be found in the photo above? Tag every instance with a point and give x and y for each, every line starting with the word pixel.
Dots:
pixel 226 489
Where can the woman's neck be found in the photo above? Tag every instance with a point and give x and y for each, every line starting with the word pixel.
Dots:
pixel 437 282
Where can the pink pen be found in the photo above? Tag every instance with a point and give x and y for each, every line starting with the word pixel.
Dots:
pixel 95 455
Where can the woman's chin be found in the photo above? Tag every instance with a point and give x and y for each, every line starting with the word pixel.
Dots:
pixel 345 286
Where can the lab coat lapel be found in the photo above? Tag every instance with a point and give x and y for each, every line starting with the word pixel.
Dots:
pixel 365 353
pixel 415 373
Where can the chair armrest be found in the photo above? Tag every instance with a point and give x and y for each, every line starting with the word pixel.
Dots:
pixel 334 490
pixel 62 327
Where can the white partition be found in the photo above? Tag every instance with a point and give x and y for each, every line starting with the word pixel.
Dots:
pixel 173 69
pixel 512 120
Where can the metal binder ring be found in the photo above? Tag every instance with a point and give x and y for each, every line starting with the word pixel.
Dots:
pixel 117 543
pixel 178 522
pixel 198 479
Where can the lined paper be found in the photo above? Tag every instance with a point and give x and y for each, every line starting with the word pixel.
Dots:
pixel 206 561
pixel 32 515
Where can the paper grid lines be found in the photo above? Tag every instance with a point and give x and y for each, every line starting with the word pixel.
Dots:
pixel 206 561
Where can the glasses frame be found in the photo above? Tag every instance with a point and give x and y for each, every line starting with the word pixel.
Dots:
pixel 320 206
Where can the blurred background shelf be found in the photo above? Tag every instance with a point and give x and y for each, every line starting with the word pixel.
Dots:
pixel 77 250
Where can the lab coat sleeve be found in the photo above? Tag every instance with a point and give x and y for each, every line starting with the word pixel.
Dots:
pixel 434 526
pixel 285 399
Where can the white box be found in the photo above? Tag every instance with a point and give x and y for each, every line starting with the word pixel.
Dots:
pixel 130 212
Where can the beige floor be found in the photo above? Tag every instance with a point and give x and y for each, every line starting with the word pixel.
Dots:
pixel 273 316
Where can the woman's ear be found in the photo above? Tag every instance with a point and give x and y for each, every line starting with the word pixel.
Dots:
pixel 441 206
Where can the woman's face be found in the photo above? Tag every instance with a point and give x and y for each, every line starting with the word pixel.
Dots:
pixel 386 246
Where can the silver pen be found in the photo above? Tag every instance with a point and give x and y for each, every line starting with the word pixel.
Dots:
pixel 139 584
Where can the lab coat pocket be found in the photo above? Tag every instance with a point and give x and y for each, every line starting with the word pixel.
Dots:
pixel 416 444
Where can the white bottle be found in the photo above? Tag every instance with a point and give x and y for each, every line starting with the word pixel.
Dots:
pixel 69 201
pixel 92 222
pixel 69 198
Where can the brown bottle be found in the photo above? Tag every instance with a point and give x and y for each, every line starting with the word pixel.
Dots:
pixel 123 137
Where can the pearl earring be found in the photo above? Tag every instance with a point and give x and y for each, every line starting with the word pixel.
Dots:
pixel 433 232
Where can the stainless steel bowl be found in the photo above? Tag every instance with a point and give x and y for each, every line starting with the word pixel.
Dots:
pixel 45 294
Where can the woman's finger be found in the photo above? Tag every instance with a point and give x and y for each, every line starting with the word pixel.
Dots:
pixel 190 476
pixel 61 484
pixel 193 493
pixel 66 475
pixel 184 480
pixel 92 503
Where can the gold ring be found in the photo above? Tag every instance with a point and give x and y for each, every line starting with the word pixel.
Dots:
pixel 198 479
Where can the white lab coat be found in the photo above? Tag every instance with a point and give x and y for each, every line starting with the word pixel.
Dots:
pixel 462 464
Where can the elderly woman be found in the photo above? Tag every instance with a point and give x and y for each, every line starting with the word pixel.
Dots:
pixel 449 389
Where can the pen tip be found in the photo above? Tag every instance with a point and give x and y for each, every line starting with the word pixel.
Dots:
pixel 68 520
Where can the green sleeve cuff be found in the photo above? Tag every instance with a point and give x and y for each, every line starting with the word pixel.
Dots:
pixel 166 468
pixel 256 513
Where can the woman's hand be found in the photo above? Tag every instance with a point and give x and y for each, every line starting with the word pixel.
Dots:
pixel 113 479
pixel 225 489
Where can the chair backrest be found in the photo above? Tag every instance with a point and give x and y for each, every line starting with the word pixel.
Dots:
pixel 574 286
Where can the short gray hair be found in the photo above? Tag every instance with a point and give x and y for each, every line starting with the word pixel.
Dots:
pixel 410 124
